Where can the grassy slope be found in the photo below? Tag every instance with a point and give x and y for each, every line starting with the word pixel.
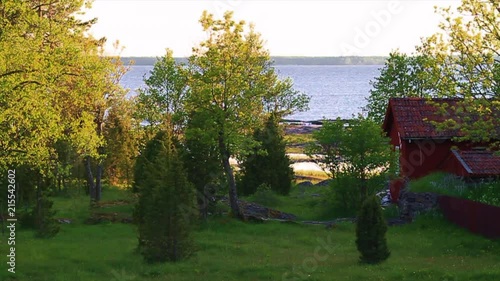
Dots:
pixel 297 139
pixel 441 183
pixel 430 249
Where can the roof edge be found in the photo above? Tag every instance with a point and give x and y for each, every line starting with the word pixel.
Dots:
pixel 428 138
pixel 459 158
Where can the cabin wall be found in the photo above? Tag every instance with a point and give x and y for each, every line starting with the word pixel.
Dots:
pixel 393 134
pixel 453 166
pixel 422 157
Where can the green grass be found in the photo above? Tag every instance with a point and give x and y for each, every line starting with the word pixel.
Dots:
pixel 440 183
pixel 303 202
pixel 445 184
pixel 297 139
pixel 429 249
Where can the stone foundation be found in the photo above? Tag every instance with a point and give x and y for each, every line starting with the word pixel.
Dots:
pixel 411 204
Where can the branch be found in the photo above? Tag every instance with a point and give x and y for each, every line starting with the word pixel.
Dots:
pixel 36 7
pixel 22 84
pixel 12 72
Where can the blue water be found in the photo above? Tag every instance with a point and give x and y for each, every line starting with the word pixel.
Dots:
pixel 335 90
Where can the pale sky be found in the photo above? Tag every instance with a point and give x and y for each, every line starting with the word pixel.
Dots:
pixel 289 28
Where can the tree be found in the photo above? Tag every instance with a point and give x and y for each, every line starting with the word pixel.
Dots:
pixel 122 142
pixel 404 76
pixel 105 92
pixel 163 99
pixel 370 232
pixel 358 149
pixel 200 154
pixel 268 164
pixel 161 104
pixel 467 55
pixel 233 81
pixel 164 192
pixel 55 83
pixel 28 124
pixel 45 223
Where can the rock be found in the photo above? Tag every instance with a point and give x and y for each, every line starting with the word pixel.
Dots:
pixel 256 212
pixel 411 204
pixel 330 224
pixel 305 183
pixel 301 129
pixel 253 218
pixel 64 221
pixel 324 183
pixel 396 221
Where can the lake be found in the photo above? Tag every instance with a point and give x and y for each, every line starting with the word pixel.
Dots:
pixel 335 90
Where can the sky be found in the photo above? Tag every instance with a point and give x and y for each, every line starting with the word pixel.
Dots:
pixel 289 28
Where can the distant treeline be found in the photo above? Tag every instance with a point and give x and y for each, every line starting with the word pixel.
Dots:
pixel 286 60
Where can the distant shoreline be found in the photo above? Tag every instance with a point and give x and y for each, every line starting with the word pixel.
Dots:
pixel 280 60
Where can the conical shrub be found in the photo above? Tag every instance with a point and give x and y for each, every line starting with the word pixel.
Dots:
pixel 371 228
pixel 268 164
pixel 164 195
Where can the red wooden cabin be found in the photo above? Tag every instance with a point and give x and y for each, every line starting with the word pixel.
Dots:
pixel 423 148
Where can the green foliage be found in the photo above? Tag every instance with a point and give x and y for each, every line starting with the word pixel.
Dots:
pixel 268 164
pixel 402 76
pixel 166 202
pixel 391 211
pixel 371 231
pixel 201 157
pixel 265 196
pixel 342 194
pixel 219 98
pixel 232 80
pixel 459 61
pixel 467 59
pixel 164 96
pixel 147 155
pixel 45 224
pixel 122 136
pixel 55 88
pixel 357 155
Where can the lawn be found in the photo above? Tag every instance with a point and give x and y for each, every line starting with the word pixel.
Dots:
pixel 429 249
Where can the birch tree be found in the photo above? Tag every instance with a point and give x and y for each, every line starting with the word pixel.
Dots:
pixel 233 82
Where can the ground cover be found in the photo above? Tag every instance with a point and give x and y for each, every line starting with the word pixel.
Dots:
pixel 429 249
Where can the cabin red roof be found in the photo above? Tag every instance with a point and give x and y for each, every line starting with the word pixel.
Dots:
pixel 413 118
pixel 479 163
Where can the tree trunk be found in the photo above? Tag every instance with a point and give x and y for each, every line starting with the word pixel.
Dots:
pixel 203 204
pixel 98 174
pixel 59 183
pixel 39 206
pixel 98 185
pixel 233 195
pixel 364 188
pixel 90 179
